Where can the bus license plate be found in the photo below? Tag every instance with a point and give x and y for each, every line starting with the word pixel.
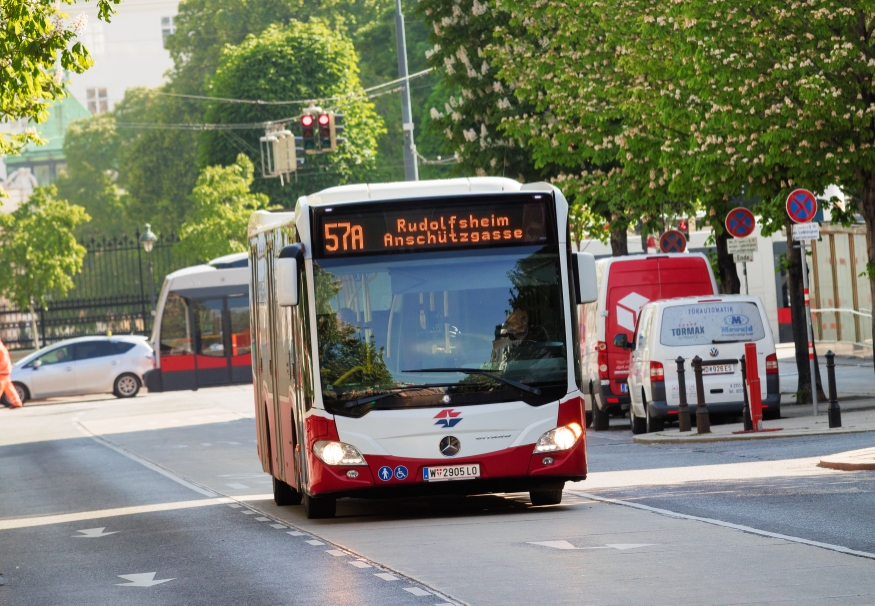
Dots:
pixel 718 369
pixel 451 472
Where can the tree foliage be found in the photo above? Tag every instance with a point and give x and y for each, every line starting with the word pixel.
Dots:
pixel 39 249
pixel 36 45
pixel 292 62
pixel 221 205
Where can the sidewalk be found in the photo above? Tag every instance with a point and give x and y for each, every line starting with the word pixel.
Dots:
pixel 855 375
pixel 858 416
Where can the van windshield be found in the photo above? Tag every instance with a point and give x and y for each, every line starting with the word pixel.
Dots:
pixel 707 323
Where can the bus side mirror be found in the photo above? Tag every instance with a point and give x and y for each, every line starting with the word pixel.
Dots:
pixel 585 276
pixel 287 281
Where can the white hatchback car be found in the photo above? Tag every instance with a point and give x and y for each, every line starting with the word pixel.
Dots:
pixel 84 365
pixel 715 328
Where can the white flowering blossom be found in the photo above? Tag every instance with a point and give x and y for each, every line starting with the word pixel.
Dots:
pixel 435 114
pixel 470 135
pixel 478 9
pixel 58 77
pixel 79 24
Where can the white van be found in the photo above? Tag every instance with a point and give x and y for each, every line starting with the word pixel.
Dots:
pixel 715 328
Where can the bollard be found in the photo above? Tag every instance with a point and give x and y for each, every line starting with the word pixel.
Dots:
pixel 683 408
pixel 834 412
pixel 748 425
pixel 703 421
pixel 755 396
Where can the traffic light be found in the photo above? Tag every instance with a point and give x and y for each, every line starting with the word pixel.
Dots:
pixel 684 228
pixel 285 156
pixel 325 138
pixel 336 130
pixel 308 133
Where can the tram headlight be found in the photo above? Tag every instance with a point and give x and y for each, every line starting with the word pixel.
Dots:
pixel 337 453
pixel 561 438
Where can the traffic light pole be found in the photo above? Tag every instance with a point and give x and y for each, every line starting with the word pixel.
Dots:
pixel 411 172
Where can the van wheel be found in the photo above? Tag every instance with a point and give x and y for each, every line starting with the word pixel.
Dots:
pixel 319 507
pixel 600 419
pixel 546 496
pixel 283 494
pixel 769 414
pixel 126 385
pixel 639 425
pixel 653 423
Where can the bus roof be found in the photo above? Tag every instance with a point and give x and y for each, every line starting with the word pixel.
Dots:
pixel 262 221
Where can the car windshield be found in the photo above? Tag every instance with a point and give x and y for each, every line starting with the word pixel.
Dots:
pixel 381 317
pixel 707 323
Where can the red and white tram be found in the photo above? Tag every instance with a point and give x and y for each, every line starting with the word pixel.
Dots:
pixel 418 338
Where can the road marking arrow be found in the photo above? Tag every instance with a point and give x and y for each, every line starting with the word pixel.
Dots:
pixel 143 579
pixel 90 533
pixel 567 545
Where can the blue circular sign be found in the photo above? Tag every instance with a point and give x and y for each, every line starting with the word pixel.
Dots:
pixel 672 241
pixel 801 206
pixel 385 473
pixel 740 222
pixel 401 472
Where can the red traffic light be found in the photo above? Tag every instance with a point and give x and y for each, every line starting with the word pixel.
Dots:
pixel 683 225
pixel 324 119
pixel 307 120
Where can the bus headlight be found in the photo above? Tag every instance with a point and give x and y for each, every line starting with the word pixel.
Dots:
pixel 561 438
pixel 337 453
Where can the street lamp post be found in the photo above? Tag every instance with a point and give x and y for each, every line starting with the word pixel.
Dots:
pixel 148 239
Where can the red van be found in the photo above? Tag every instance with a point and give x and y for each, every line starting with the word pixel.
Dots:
pixel 625 284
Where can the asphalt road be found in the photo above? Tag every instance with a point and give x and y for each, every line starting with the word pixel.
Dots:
pixel 175 477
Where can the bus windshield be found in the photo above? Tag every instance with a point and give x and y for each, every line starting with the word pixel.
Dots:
pixel 381 317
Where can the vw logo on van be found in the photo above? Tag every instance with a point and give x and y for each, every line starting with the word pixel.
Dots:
pixel 714 351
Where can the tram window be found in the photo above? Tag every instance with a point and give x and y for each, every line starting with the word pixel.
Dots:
pixel 241 339
pixel 209 320
pixel 175 327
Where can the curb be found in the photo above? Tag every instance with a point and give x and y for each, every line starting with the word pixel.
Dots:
pixel 769 435
pixel 854 460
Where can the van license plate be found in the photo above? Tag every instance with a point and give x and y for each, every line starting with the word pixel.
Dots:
pixel 450 472
pixel 718 369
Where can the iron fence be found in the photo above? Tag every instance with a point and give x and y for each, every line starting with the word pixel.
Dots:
pixel 111 294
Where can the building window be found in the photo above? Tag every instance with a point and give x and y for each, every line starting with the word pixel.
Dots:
pixel 97 100
pixel 92 38
pixel 167 28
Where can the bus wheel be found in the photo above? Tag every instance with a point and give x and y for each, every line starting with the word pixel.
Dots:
pixel 283 494
pixel 319 507
pixel 546 496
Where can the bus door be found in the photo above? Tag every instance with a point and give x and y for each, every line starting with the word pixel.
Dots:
pixel 241 338
pixel 211 349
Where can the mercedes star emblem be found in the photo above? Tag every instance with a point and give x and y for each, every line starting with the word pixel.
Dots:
pixel 450 446
pixel 714 351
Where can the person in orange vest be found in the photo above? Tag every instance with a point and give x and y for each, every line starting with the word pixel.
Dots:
pixel 6 386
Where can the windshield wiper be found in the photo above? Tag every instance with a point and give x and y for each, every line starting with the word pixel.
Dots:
pixel 485 373
pixel 716 341
pixel 380 396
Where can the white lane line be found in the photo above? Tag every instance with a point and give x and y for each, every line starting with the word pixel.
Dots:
pixel 235 505
pixel 417 591
pixel 562 544
pixel 278 526
pixel 386 576
pixel 262 519
pixel 148 464
pixel 237 486
pixel 314 542
pixel 748 529
pixel 206 444
pixel 92 533
pixel 360 564
pixel 143 579
pixel 295 533
pixel 335 552
pixel 247 512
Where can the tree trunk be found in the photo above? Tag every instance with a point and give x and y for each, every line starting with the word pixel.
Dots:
pixel 868 209
pixel 33 327
pixel 619 244
pixel 800 325
pixel 728 279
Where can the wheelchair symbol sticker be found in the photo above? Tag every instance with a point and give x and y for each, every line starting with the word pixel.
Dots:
pixel 401 472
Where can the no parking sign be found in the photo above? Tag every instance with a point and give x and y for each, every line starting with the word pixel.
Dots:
pixel 801 206
pixel 672 241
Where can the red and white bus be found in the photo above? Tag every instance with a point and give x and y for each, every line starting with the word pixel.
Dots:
pixel 418 338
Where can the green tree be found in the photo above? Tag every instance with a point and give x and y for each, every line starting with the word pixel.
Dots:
pixel 39 251
pixel 91 147
pixel 292 62
pixel 221 205
pixel 36 45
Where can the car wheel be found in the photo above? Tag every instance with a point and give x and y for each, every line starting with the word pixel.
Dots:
pixel 23 394
pixel 283 494
pixel 546 496
pixel 126 385
pixel 319 507
pixel 639 425
pixel 653 423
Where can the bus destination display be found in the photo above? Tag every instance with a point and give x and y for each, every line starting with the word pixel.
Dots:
pixel 399 227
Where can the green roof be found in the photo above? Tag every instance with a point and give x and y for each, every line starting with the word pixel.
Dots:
pixel 61 114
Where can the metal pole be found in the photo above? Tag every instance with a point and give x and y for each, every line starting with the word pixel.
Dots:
pixel 411 172
pixel 803 249
pixel 834 411
pixel 152 284
pixel 703 421
pixel 683 407
pixel 748 423
pixel 745 278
